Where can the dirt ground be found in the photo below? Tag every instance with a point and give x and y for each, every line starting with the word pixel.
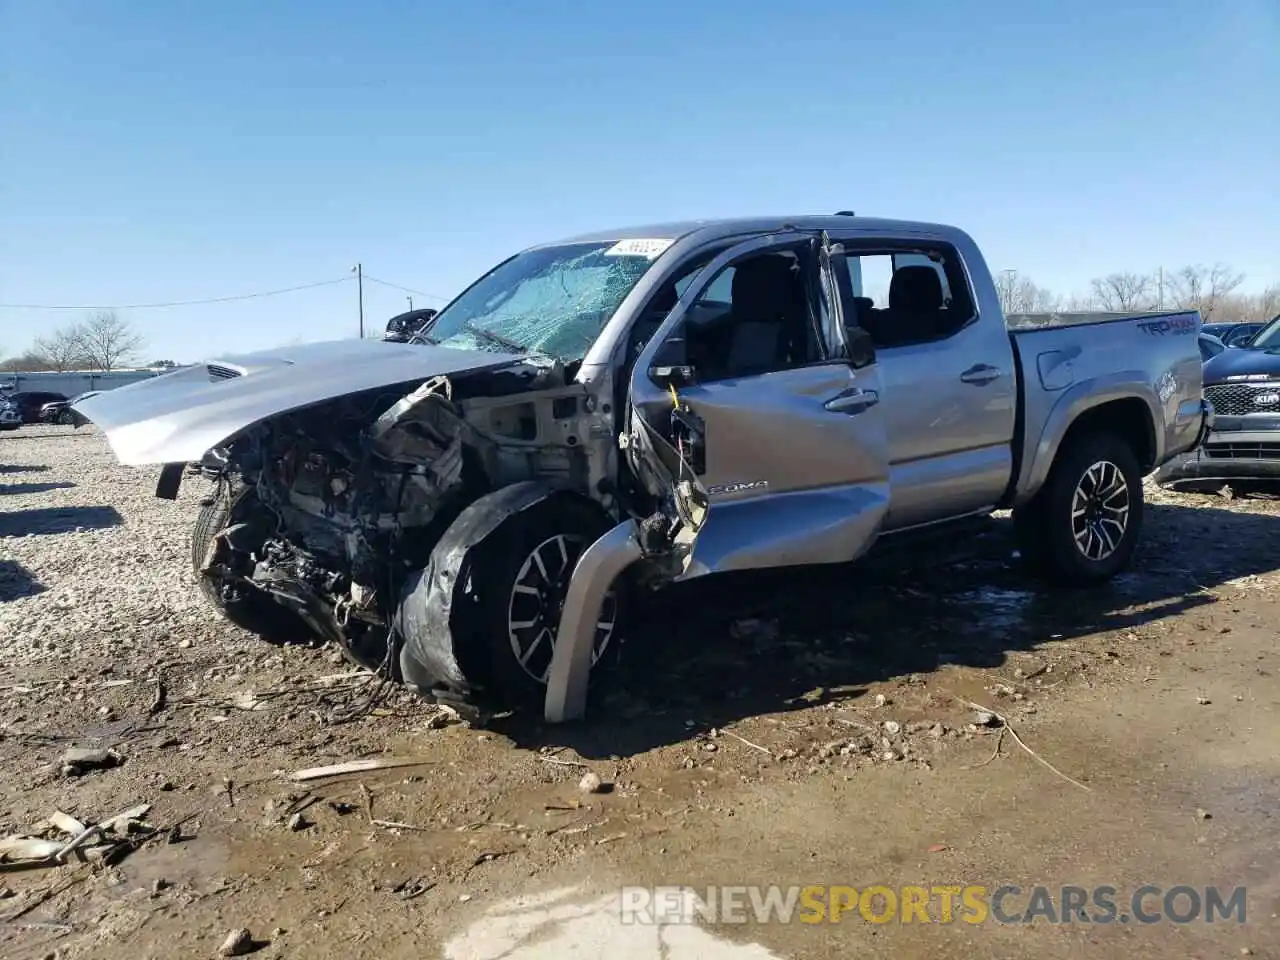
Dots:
pixel 791 730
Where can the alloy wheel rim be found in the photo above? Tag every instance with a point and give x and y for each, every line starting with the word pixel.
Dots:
pixel 1100 511
pixel 537 602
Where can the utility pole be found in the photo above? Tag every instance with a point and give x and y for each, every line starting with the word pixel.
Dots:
pixel 1160 289
pixel 358 270
pixel 410 299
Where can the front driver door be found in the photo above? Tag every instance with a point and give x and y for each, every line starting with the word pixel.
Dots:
pixel 794 462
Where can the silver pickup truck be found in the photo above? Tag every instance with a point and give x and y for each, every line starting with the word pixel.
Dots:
pixel 660 403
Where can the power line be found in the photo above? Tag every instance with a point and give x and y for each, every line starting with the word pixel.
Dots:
pixel 175 303
pixel 211 300
pixel 396 286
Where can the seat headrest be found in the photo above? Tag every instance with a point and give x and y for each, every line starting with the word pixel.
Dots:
pixel 915 288
pixel 763 288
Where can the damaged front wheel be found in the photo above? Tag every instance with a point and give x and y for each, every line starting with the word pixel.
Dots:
pixel 232 504
pixel 480 622
pixel 527 573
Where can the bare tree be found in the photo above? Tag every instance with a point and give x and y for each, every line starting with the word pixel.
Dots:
pixel 1248 307
pixel 28 362
pixel 106 341
pixel 1079 303
pixel 1266 305
pixel 62 349
pixel 1123 292
pixel 1019 294
pixel 1203 288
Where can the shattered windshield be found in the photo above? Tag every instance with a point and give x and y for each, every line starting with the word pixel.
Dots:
pixel 552 300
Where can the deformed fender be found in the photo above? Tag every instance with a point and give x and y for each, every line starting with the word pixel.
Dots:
pixel 597 569
pixel 429 657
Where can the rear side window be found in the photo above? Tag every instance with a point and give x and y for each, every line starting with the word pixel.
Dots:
pixel 876 271
pixel 907 294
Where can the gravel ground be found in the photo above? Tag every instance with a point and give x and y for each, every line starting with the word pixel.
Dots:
pixel 93 562
pixel 763 732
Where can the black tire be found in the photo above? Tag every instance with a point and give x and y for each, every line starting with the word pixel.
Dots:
pixel 256 614
pixel 1105 471
pixel 506 563
pixel 64 418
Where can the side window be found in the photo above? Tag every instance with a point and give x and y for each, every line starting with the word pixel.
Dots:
pixel 905 295
pixel 755 317
pixel 721 288
pixel 1240 336
pixel 1209 349
pixel 901 260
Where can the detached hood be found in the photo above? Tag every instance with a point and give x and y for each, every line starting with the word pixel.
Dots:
pixel 178 416
pixel 1241 362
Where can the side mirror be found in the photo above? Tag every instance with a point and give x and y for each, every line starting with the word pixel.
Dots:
pixel 862 352
pixel 670 365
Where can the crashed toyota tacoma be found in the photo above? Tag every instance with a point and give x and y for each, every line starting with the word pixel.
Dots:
pixel 731 395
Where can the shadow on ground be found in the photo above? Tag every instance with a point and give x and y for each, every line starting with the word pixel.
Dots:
pixel 13 489
pixel 54 520
pixel 23 468
pixel 17 581
pixel 827 632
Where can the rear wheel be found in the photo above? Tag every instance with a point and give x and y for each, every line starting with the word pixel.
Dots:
pixel 64 418
pixel 1083 525
pixel 247 609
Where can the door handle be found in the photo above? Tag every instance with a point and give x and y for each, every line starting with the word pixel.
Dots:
pixel 853 400
pixel 980 374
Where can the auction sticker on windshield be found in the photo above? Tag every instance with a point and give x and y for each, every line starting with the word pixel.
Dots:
pixel 650 249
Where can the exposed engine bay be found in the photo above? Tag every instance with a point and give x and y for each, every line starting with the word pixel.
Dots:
pixel 337 505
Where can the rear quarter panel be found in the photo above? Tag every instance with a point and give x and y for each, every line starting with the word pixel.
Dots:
pixel 1070 369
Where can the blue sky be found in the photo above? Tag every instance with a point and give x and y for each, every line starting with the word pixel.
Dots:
pixel 158 150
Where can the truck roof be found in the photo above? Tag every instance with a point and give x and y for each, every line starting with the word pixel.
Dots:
pixel 717 229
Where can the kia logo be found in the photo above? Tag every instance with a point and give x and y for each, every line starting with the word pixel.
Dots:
pixel 1267 399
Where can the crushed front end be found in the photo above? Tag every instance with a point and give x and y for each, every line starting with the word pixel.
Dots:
pixel 348 511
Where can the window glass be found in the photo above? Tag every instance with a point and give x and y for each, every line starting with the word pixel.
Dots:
pixel 549 300
pixel 721 289
pixel 753 318
pixel 923 308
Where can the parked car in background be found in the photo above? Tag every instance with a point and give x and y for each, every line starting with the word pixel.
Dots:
pixel 31 402
pixel 812 384
pixel 1210 346
pixel 1233 334
pixel 1243 384
pixel 402 327
pixel 10 417
pixel 59 411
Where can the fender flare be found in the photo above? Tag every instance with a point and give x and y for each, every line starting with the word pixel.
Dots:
pixel 1076 401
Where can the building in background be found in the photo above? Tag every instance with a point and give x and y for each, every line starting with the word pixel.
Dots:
pixel 71 383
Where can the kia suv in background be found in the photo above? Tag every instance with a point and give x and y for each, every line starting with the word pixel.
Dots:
pixel 1233 334
pixel 1243 384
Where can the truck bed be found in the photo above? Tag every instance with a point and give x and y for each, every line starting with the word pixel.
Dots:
pixel 1069 362
pixel 1018 322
